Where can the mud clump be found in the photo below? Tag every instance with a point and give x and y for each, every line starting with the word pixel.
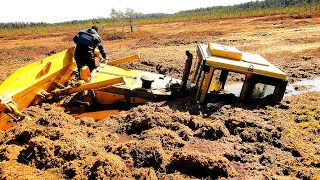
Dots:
pixel 148 154
pixel 67 148
pixel 302 68
pixel 161 141
pixel 200 165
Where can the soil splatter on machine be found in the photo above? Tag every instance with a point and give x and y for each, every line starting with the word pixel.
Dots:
pixel 55 78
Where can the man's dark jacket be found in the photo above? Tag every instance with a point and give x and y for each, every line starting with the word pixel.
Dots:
pixel 86 41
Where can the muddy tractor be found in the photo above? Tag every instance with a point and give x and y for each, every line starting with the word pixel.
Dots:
pixel 56 79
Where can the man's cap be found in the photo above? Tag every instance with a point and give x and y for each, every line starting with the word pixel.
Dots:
pixel 95 28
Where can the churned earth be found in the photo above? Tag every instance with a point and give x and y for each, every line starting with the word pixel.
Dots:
pixel 176 139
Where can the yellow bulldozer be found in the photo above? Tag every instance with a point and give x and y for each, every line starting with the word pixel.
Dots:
pixel 55 78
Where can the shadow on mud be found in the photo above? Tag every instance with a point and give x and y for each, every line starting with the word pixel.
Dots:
pixel 215 101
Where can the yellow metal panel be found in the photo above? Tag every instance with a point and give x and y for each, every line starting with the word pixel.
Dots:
pixel 124 60
pixel 24 84
pixel 97 85
pixel 24 97
pixel 225 51
pixel 3 120
pixel 108 98
pixel 254 59
pixel 85 73
pixel 245 86
pixel 111 72
pixel 4 127
pixel 250 63
pixel 30 74
pixel 206 85
pixel 135 100
pixel 241 66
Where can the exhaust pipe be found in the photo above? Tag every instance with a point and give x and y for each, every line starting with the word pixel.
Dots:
pixel 186 72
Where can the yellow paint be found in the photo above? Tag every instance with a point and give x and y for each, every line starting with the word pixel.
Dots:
pixel 124 60
pixel 135 100
pixel 45 69
pixel 25 83
pixel 85 73
pixel 249 63
pixel 96 85
pixel 206 84
pixel 14 108
pixel 28 75
pixel 108 98
pixel 229 58
pixel 110 72
pixel 42 79
pixel 6 126
pixel 225 51
pixel 245 86
pixel 33 82
pixel 215 86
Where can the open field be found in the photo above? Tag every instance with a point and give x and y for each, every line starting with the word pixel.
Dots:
pixel 176 139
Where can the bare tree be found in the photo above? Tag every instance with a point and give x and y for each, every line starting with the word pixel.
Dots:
pixel 114 17
pixel 121 18
pixel 131 15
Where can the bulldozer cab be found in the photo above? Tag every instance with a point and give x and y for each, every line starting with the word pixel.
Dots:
pixel 217 62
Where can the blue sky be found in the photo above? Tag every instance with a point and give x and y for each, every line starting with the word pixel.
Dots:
pixel 67 10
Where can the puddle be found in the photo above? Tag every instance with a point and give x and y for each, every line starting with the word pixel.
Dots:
pixel 233 89
pixel 260 90
pixel 98 114
pixel 311 85
pixel 123 138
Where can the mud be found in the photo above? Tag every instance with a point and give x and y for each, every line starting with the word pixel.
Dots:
pixel 177 139
pixel 160 141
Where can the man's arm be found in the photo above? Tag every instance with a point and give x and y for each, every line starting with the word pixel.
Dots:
pixel 75 38
pixel 102 51
pixel 98 41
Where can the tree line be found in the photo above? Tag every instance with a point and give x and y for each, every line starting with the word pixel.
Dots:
pixel 248 9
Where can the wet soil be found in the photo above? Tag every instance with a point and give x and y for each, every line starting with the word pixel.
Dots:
pixel 177 139
pixel 163 141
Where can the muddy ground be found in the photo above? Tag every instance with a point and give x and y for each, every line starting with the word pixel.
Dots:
pixel 177 139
